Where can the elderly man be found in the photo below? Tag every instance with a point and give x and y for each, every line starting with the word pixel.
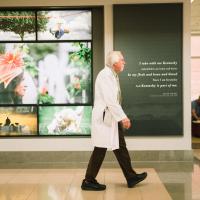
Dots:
pixel 108 121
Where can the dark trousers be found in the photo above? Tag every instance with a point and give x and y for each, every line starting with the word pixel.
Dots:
pixel 121 154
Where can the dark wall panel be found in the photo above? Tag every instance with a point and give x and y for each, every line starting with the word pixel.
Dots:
pixel 150 37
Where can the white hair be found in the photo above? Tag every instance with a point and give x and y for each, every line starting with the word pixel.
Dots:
pixel 113 57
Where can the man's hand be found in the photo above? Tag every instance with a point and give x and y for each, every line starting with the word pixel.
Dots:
pixel 126 123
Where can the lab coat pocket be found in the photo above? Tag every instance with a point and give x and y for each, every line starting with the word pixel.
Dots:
pixel 107 117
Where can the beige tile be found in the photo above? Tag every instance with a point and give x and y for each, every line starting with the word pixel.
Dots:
pixel 153 188
pixel 27 179
pixel 154 191
pixel 32 171
pixel 88 195
pixel 33 196
pixel 196 175
pixel 53 185
pixel 5 178
pixel 148 189
pixel 28 176
pixel 3 197
pixel 57 178
pixel 196 182
pixel 3 191
pixel 59 171
pixel 7 174
pixel 9 171
pixel 117 187
pixel 16 191
pixel 82 172
pixel 196 153
pixel 49 192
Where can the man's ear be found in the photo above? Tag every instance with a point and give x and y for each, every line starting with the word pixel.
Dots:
pixel 114 65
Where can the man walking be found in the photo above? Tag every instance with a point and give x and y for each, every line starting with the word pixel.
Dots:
pixel 108 121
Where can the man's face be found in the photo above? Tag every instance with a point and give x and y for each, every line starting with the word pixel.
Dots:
pixel 119 66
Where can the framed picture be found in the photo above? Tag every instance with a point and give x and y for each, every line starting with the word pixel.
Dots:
pixel 64 25
pixel 18 121
pixel 65 120
pixel 45 72
pixel 19 25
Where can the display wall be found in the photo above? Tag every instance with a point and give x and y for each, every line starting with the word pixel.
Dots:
pixel 102 44
pixel 151 37
pixel 45 72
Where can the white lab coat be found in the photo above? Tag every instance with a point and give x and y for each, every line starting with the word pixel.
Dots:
pixel 106 90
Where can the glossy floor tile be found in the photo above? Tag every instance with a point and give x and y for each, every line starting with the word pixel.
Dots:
pixel 196 183
pixel 196 153
pixel 63 184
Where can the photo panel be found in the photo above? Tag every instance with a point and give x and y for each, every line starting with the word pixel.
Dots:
pixel 18 74
pixel 65 120
pixel 64 73
pixel 19 25
pixel 18 121
pixel 45 73
pixel 64 25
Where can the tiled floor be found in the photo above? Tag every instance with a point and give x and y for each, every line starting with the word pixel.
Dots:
pixel 52 184
pixel 64 184
pixel 196 175
pixel 196 153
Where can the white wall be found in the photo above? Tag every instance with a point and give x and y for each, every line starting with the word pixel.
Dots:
pixel 135 143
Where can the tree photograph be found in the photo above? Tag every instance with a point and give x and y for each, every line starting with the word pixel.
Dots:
pixel 20 25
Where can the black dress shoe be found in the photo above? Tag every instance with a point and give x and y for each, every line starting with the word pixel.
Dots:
pixel 136 179
pixel 92 185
